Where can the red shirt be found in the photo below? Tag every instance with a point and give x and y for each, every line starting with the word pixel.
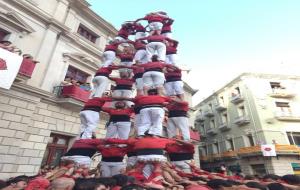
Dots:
pixel 139 45
pixel 154 18
pixel 87 143
pixel 174 75
pixel 111 47
pixel 105 71
pixel 184 106
pixel 180 148
pixel 126 57
pixel 123 83
pixel 119 115
pixel 95 104
pixel 151 100
pixel 154 66
pixel 123 32
pixel 156 38
pixel 167 26
pixel 139 28
pixel 112 151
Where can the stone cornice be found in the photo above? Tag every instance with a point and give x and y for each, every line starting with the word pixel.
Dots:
pixel 189 89
pixel 79 59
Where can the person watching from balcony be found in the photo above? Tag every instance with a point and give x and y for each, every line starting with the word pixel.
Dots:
pixel 85 86
pixel 6 45
pixel 67 81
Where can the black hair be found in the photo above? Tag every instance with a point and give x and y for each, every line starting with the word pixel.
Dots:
pixel 154 91
pixel 218 183
pixel 154 58
pixel 107 181
pixel 271 176
pixel 18 179
pixel 196 178
pixel 85 184
pixel 256 185
pixel 132 187
pixel 291 179
pixel 121 179
pixel 232 182
pixel 249 177
pixel 276 186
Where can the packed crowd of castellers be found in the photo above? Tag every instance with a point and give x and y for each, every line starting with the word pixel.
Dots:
pixel 152 161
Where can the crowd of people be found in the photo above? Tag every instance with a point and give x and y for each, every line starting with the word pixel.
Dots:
pixel 70 81
pixel 145 159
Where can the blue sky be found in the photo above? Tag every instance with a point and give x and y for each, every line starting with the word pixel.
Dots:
pixel 220 39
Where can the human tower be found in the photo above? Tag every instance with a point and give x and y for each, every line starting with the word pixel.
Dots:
pixel 149 64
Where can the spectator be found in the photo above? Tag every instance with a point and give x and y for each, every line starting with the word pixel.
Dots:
pixel 133 187
pixel 253 184
pixel 62 184
pixel 6 45
pixel 85 86
pixel 271 178
pixel 219 184
pixel 291 179
pixel 276 186
pixel 67 81
pixel 17 183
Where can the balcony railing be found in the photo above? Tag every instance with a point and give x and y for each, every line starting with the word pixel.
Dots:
pixel 208 113
pixel 200 118
pixel 236 98
pixel 27 67
pixel 242 120
pixel 204 158
pixel 212 131
pixel 220 107
pixel 72 91
pixel 282 93
pixel 224 127
pixel 229 154
pixel 287 116
pixel 280 149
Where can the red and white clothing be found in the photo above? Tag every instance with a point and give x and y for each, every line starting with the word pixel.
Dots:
pixel 112 159
pixel 139 31
pixel 180 155
pixel 155 21
pixel 101 81
pixel 126 58
pixel 3 65
pixel 174 84
pixel 82 150
pixel 123 33
pixel 138 76
pixel 90 117
pixel 109 54
pixel 177 119
pixel 151 113
pixel 123 87
pixel 141 53
pixel 157 46
pixel 166 29
pixel 171 54
pixel 119 122
pixel 153 75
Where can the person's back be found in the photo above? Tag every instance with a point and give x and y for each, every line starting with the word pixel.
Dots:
pixel 62 184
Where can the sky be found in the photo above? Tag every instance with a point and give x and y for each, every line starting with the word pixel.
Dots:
pixel 220 39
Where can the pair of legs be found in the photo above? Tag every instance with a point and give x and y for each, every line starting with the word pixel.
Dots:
pixel 119 129
pixel 101 84
pixel 154 79
pixel 108 58
pixel 122 93
pixel 158 48
pixel 109 169
pixel 89 121
pixel 151 120
pixel 181 123
pixel 174 88
pixel 171 59
pixel 141 56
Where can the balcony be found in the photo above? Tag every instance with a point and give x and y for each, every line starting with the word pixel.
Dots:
pixel 212 131
pixel 199 118
pixel 27 68
pixel 236 98
pixel 280 149
pixel 224 127
pixel 208 113
pixel 287 116
pixel 204 158
pixel 229 154
pixel 220 107
pixel 71 95
pixel 242 120
pixel 282 93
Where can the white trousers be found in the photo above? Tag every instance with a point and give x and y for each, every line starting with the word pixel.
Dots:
pixel 158 48
pixel 171 59
pixel 131 161
pixel 122 93
pixel 151 119
pixel 79 160
pixel 174 88
pixel 167 34
pixel 155 26
pixel 153 79
pixel 119 130
pixel 108 58
pixel 183 165
pixel 141 56
pixel 101 84
pixel 137 121
pixel 89 120
pixel 139 83
pixel 109 169
pixel 181 123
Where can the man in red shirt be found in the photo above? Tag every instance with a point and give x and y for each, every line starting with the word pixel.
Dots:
pixel 140 56
pixel 109 53
pixel 119 121
pixel 171 54
pixel 174 84
pixel 166 29
pixel 177 119
pixel 155 20
pixel 139 30
pixel 90 117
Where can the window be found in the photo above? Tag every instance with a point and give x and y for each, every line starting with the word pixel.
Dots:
pixel 294 138
pixel 216 149
pixel 77 74
pixel 229 145
pixel 210 107
pixel 283 107
pixel 87 34
pixel 202 128
pixel 3 34
pixel 276 85
pixel 236 91
pixel 222 100
pixel 212 124
pixel 241 110
pixel 250 140
pixel 203 151
pixel 224 118
pixel 57 146
pixel 259 169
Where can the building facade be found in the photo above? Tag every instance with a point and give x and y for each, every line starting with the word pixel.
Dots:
pixel 39 118
pixel 252 111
